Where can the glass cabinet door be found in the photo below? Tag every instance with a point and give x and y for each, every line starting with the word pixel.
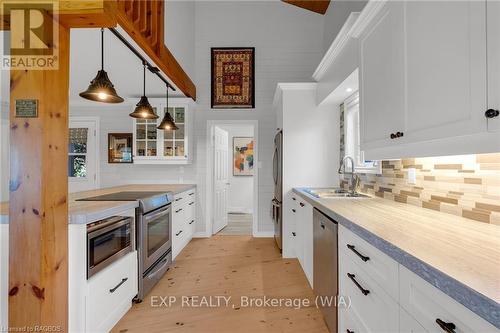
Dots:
pixel 146 137
pixel 174 141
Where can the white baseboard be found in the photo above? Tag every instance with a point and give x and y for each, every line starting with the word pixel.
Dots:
pixel 201 234
pixel 239 210
pixel 266 234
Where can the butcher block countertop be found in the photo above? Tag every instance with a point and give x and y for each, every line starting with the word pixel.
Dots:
pixel 82 212
pixel 459 256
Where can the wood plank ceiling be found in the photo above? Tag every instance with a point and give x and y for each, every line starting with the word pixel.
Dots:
pixel 317 6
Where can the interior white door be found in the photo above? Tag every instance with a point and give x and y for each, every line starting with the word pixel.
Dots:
pixel 493 42
pixel 82 155
pixel 221 178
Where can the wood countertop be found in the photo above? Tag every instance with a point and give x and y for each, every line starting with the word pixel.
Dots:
pixel 459 256
pixel 89 211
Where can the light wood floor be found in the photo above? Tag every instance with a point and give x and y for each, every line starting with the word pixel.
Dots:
pixel 238 224
pixel 228 266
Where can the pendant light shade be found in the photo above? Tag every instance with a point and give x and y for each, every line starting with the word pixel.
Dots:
pixel 167 123
pixel 144 110
pixel 101 89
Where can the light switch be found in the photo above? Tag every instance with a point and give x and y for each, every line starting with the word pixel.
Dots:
pixel 412 176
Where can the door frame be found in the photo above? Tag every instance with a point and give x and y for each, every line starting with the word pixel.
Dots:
pixel 96 120
pixel 210 188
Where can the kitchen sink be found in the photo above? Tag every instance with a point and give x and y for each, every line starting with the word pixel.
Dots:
pixel 325 193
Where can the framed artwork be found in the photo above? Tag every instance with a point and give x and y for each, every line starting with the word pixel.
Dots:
pixel 233 72
pixel 243 156
pixel 120 148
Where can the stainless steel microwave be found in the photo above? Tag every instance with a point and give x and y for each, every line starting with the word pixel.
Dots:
pixel 107 241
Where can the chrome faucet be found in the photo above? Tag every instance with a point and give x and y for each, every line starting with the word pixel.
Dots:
pixel 354 176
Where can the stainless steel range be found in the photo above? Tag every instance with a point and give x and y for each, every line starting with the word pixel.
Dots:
pixel 153 234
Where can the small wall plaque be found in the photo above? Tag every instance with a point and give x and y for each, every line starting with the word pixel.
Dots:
pixel 26 108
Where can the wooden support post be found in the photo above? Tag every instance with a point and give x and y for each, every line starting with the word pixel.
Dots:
pixel 38 212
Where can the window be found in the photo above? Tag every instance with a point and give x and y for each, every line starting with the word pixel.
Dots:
pixel 82 154
pixel 352 142
pixel 77 165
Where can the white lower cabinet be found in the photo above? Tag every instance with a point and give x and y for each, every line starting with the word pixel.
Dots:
pixel 384 296
pixel 110 294
pixel 183 220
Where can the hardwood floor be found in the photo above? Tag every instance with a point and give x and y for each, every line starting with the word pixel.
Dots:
pixel 233 266
pixel 238 224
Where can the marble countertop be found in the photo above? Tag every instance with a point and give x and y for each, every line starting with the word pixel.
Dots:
pixel 456 255
pixel 81 212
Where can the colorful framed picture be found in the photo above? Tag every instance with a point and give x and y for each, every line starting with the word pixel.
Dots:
pixel 233 82
pixel 243 161
pixel 120 148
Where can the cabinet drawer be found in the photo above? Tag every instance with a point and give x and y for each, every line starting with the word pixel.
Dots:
pixel 349 321
pixel 183 198
pixel 376 264
pixel 376 310
pixel 110 293
pixel 427 304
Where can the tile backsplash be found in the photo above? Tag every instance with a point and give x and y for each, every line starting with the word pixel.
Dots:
pixel 465 185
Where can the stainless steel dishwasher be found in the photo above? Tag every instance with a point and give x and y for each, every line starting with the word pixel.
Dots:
pixel 326 266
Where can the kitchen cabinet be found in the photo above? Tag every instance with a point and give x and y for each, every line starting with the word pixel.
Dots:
pixel 493 42
pixel 387 297
pixel 183 220
pixel 423 79
pixel 153 146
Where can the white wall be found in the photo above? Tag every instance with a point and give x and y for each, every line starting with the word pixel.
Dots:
pixel 180 33
pixel 4 136
pixel 241 187
pixel 336 15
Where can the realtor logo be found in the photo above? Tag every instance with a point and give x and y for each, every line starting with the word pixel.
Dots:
pixel 33 33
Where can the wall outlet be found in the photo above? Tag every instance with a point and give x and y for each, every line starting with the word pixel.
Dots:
pixel 412 176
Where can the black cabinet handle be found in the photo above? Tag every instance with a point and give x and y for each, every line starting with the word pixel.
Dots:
pixel 353 278
pixel 349 331
pixel 191 203
pixel 447 327
pixel 178 199
pixel 293 210
pixel 301 204
pixel 399 134
pixel 294 234
pixel 191 222
pixel 180 232
pixel 322 226
pixel 491 113
pixel 191 193
pixel 393 136
pixel 178 210
pixel 118 285
pixel 293 199
pixel 353 249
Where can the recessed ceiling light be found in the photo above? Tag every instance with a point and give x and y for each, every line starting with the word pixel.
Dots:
pixel 348 90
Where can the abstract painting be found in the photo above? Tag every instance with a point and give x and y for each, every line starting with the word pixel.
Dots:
pixel 243 156
pixel 233 71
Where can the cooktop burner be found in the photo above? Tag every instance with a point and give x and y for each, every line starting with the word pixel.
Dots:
pixel 123 196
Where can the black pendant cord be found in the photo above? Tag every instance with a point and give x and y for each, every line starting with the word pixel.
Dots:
pixel 144 80
pixel 102 48
pixel 167 98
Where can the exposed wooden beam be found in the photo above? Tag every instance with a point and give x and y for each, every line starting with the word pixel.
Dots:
pixel 38 210
pixel 317 6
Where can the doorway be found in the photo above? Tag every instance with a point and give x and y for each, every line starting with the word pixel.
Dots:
pixel 234 170
pixel 83 154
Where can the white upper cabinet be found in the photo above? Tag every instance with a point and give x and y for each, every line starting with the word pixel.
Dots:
pixel 153 146
pixel 382 77
pixel 493 25
pixel 423 78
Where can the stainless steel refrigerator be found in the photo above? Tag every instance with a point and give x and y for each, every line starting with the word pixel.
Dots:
pixel 277 202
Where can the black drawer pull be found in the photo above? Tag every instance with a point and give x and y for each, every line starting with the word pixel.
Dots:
pixel 491 113
pixel 349 331
pixel 447 327
pixel 293 210
pixel 293 199
pixel 191 203
pixel 191 222
pixel 301 204
pixel 178 199
pixel 322 226
pixel 178 210
pixel 191 193
pixel 180 232
pixel 363 290
pixel 294 234
pixel 353 249
pixel 118 285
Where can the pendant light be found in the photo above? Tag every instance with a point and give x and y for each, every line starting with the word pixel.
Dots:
pixel 167 123
pixel 144 110
pixel 101 89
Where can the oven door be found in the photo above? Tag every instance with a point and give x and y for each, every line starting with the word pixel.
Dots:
pixel 156 235
pixel 107 242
